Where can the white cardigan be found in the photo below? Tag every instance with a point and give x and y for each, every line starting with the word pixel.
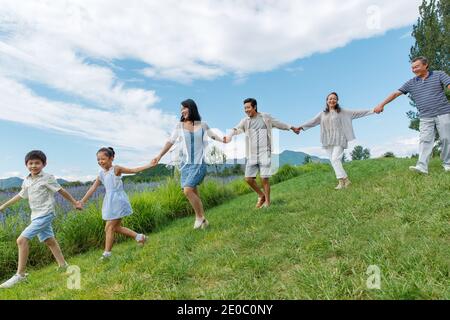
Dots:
pixel 177 137
pixel 332 131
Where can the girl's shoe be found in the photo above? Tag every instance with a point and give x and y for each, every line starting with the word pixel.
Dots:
pixel 17 278
pixel 105 257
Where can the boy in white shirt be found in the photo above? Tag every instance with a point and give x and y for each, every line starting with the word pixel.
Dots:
pixel 39 188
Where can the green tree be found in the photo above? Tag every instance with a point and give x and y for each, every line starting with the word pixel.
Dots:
pixel 307 159
pixel 389 154
pixel 432 41
pixel 237 169
pixel 217 158
pixel 359 153
pixel 345 158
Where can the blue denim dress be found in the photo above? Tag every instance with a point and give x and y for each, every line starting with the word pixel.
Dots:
pixel 194 171
pixel 116 204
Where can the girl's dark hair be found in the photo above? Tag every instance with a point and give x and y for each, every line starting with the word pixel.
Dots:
pixel 108 151
pixel 194 115
pixel 338 107
pixel 36 155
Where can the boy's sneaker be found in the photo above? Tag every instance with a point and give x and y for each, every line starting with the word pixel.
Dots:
pixel 447 168
pixel 418 169
pixel 13 281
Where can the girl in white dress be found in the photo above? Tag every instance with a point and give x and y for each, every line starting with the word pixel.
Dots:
pixel 116 204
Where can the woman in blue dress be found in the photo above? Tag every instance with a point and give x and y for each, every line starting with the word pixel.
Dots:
pixel 191 136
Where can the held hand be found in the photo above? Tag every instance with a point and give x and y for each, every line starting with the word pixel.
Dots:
pixel 379 109
pixel 227 139
pixel 296 130
pixel 79 205
pixel 155 161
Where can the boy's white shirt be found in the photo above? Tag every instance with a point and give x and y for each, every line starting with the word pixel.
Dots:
pixel 271 122
pixel 40 192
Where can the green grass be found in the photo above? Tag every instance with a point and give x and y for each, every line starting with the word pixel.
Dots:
pixel 313 243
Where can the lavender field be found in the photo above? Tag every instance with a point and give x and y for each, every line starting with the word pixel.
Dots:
pixel 63 207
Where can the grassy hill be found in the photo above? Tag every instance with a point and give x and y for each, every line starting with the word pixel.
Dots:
pixel 314 243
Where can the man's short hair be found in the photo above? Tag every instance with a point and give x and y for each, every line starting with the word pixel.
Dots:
pixel 422 59
pixel 253 102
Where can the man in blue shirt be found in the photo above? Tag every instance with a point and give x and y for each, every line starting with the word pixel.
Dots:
pixel 427 90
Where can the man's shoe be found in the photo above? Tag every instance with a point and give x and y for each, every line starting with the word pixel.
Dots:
pixel 418 170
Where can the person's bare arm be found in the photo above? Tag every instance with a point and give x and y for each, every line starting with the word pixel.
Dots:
pixel 389 99
pixel 163 152
pixel 10 202
pixel 69 198
pixel 91 191
pixel 240 128
pixel 122 170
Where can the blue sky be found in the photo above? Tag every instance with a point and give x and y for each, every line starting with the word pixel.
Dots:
pixel 83 98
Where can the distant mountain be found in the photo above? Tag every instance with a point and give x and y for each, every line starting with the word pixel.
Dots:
pixel 62 181
pixel 10 183
pixel 298 158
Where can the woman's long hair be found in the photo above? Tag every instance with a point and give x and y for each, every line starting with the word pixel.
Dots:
pixel 194 115
pixel 338 107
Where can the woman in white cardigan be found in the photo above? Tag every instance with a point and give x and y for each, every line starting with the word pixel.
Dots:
pixel 336 130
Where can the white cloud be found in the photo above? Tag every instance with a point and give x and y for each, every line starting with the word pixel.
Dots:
pixel 403 146
pixel 133 130
pixel 202 39
pixel 11 174
pixel 55 44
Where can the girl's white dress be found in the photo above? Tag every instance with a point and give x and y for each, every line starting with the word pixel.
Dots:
pixel 116 204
